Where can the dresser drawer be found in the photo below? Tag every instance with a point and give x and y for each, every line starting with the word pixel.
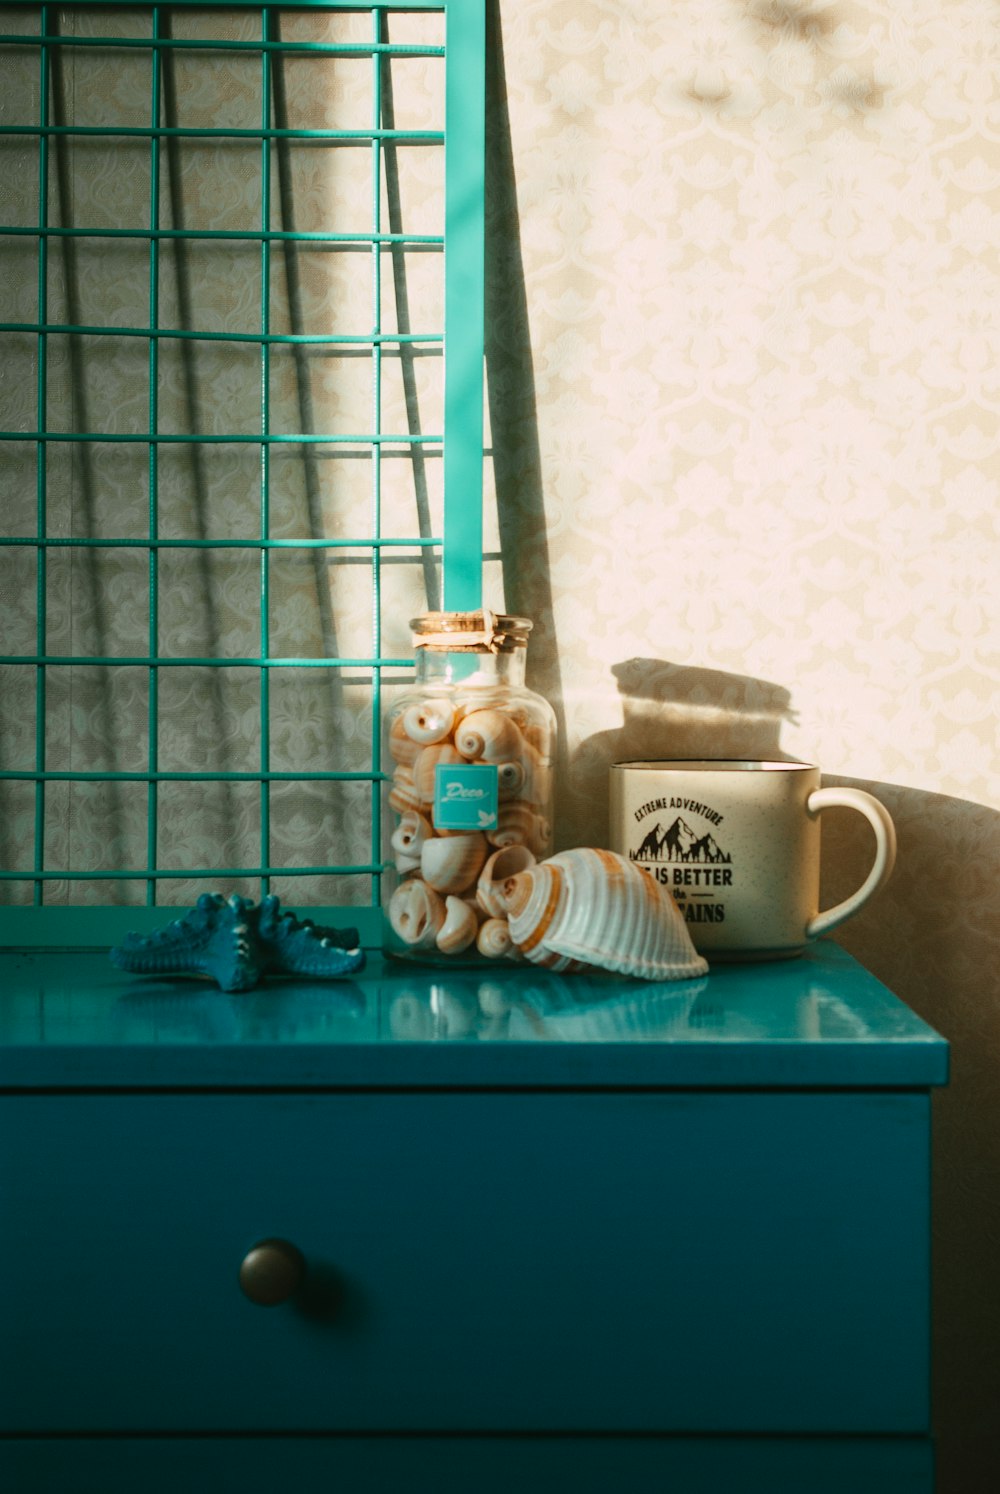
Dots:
pixel 477 1261
pixel 467 1465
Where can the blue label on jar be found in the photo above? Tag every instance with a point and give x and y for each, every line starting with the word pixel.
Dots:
pixel 466 796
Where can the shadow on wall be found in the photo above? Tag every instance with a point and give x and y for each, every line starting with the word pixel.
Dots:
pixel 933 936
pixel 670 711
pixel 510 380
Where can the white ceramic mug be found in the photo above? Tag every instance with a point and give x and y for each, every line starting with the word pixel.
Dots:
pixel 737 844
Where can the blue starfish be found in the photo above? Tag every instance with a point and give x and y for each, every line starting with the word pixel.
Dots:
pixel 238 943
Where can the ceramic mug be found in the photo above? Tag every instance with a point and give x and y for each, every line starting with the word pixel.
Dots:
pixel 737 844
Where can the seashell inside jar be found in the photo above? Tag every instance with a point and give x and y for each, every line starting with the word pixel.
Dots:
pixel 468 786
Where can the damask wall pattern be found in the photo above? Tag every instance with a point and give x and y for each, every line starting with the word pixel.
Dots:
pixel 96 600
pixel 743 357
pixel 759 243
pixel 743 342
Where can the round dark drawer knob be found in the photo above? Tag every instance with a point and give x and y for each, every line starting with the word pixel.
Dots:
pixel 272 1272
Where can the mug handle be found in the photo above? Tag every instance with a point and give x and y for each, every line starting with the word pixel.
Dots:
pixel 885 851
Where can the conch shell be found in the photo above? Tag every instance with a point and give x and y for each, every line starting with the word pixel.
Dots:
pixel 596 907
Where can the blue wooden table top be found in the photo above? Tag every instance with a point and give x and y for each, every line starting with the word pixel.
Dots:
pixel 70 1020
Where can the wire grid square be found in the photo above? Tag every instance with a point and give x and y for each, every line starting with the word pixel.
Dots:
pixel 320 716
pixel 187 459
pixel 323 492
pixel 96 719
pixel 19 599
pixel 319 823
pixel 97 180
pixel 210 89
pixel 209 603
pixel 97 383
pixel 207 286
pixel 208 720
pixel 319 603
pixel 325 389
pixel 19 165
pixel 17 732
pixel 209 822
pixel 96 603
pixel 206 491
pixel 320 289
pixel 99 282
pixel 96 826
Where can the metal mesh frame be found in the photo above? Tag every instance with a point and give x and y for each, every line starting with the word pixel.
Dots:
pixel 459 546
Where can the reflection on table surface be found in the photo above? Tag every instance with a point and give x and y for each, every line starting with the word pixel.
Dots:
pixel 822 997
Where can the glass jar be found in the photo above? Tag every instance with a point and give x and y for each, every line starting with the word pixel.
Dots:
pixel 471 750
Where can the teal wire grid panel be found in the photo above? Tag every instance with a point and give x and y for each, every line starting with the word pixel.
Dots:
pixel 241 364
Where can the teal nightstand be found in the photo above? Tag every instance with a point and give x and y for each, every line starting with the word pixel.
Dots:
pixel 556 1233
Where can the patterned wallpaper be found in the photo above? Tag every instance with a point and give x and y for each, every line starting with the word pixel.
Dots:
pixel 744 364
pixel 97 599
pixel 743 342
pixel 761 290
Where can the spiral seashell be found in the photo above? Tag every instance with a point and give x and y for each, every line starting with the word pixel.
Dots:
pixel 402 749
pixel 490 735
pixel 459 928
pixel 410 834
pixel 416 913
pixel 500 866
pixel 534 906
pixel 515 824
pixel 429 721
pixel 511 778
pixel 596 907
pixel 494 939
pixel 406 864
pixel 423 768
pixel 452 863
pixel 403 795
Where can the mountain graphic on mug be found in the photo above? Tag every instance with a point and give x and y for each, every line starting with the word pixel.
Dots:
pixel 679 843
